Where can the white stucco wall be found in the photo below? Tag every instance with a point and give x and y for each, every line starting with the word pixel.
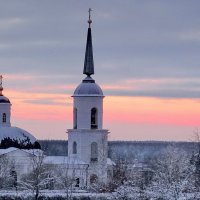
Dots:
pixel 84 106
pixel 84 139
pixel 5 108
pixel 20 160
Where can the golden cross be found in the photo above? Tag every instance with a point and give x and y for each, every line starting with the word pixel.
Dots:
pixel 89 21
pixel 1 78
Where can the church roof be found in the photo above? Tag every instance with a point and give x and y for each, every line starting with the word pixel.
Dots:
pixel 89 62
pixel 34 152
pixel 58 160
pixel 8 150
pixel 4 99
pixel 16 133
pixel 88 87
pixel 110 162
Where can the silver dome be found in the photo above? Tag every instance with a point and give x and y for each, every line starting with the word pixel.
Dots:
pixel 4 99
pixel 88 88
pixel 15 133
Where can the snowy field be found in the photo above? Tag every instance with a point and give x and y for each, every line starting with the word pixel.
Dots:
pixel 83 195
pixel 52 194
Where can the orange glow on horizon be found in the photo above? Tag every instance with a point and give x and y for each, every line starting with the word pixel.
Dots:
pixel 56 110
pixel 40 106
pixel 45 106
pixel 152 110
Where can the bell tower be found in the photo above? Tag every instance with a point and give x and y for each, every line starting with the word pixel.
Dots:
pixel 87 141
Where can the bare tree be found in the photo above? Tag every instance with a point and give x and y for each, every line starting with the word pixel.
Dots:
pixel 7 177
pixel 68 176
pixel 171 173
pixel 65 179
pixel 128 191
pixel 129 182
pixel 195 164
pixel 40 175
pixel 120 173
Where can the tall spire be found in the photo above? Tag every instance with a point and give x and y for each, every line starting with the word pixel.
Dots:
pixel 89 63
pixel 1 87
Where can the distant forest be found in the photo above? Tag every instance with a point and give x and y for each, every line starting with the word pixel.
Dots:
pixel 130 151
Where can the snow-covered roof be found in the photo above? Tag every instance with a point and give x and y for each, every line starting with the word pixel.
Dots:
pixel 110 162
pixel 8 150
pixel 88 88
pixel 57 160
pixel 15 133
pixel 36 152
pixel 4 99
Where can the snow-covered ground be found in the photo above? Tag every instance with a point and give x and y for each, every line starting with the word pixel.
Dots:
pixel 54 193
pixel 81 194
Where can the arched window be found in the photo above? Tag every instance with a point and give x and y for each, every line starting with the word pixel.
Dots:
pixel 74 148
pixel 94 152
pixel 94 118
pixel 4 118
pixel 75 118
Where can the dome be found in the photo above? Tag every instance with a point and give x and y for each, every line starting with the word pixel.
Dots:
pixel 4 99
pixel 88 87
pixel 15 133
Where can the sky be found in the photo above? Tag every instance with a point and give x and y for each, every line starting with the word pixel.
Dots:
pixel 146 56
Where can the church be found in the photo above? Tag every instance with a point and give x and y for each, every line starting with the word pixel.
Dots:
pixel 87 141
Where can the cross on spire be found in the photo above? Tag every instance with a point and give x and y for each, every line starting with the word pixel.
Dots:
pixel 1 81
pixel 89 20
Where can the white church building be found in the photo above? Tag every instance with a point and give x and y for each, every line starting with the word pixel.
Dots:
pixel 87 142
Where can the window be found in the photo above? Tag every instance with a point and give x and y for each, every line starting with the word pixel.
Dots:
pixel 74 148
pixel 4 118
pixel 13 174
pixel 75 118
pixel 77 182
pixel 93 178
pixel 94 152
pixel 94 118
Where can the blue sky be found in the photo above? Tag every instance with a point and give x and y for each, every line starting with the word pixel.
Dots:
pixel 138 39
pixel 141 49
